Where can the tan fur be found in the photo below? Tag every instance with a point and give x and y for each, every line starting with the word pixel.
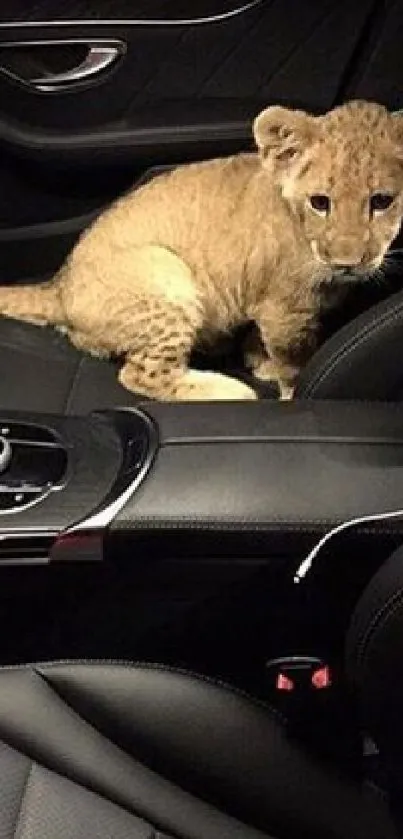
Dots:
pixel 214 244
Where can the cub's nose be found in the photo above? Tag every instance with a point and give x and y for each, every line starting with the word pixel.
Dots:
pixel 347 256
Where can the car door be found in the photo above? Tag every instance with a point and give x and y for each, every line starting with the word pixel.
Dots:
pixel 95 92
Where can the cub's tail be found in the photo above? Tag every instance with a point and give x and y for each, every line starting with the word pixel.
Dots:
pixel 40 304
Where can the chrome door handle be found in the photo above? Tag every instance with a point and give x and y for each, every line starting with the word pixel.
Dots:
pixel 98 58
pixel 101 56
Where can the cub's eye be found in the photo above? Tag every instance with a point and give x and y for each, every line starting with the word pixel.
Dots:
pixel 320 203
pixel 380 201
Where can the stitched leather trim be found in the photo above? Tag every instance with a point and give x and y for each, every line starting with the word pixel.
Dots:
pixel 387 610
pixel 208 680
pixel 22 800
pixel 73 386
pixel 252 525
pixel 349 346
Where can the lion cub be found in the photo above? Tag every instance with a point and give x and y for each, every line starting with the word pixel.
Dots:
pixel 211 245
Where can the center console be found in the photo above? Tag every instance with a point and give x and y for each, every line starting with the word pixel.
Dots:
pixel 196 480
pixel 173 532
pixel 63 481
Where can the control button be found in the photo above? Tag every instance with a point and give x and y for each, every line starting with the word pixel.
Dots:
pixel 14 500
pixel 5 453
pixel 284 683
pixel 321 678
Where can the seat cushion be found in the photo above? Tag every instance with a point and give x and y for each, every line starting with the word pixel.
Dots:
pixel 98 750
pixel 41 371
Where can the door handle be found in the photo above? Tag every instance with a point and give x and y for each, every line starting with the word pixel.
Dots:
pixel 98 59
pixel 102 55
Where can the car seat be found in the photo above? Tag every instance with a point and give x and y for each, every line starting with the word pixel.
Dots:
pixel 41 371
pixel 100 749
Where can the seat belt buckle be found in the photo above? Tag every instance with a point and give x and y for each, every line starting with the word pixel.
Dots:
pixel 298 674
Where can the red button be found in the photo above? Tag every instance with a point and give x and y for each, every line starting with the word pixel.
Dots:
pixel 321 678
pixel 284 683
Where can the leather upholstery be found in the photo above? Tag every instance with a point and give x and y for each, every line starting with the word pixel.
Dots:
pixel 374 658
pixel 93 750
pixel 234 482
pixel 362 360
pixel 41 371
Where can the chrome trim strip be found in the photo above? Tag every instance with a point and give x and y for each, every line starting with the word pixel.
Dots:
pixel 103 517
pixel 5 453
pixel 127 22
pixel 84 541
pixel 30 532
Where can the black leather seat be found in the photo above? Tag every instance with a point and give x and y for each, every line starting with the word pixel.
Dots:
pixel 94 751
pixel 374 663
pixel 362 360
pixel 41 371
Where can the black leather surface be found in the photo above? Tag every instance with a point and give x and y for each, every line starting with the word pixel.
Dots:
pixel 361 360
pixel 374 661
pixel 41 371
pixel 281 468
pixel 95 751
pixel 374 652
pixel 300 420
pixel 116 9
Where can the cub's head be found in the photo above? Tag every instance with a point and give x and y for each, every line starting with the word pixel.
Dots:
pixel 342 177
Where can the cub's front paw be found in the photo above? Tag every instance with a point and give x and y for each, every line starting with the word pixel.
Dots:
pixel 268 371
pixel 207 386
pixel 286 391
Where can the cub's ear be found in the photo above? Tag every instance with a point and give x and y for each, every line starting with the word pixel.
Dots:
pixel 397 133
pixel 282 135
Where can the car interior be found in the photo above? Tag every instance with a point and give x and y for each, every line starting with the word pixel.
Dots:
pixel 213 591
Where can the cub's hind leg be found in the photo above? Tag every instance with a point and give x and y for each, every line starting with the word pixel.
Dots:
pixel 146 308
pixel 167 322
